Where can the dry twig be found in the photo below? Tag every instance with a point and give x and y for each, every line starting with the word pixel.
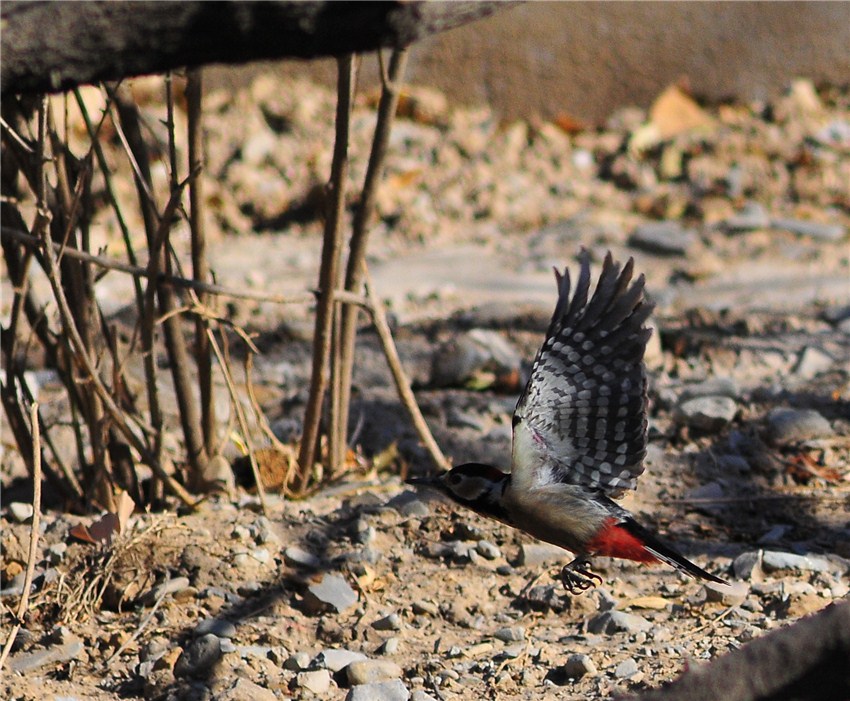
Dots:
pixel 402 384
pixel 32 554
pixel 341 388
pixel 328 274
pixel 240 417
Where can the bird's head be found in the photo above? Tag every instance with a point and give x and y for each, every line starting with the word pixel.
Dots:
pixel 476 486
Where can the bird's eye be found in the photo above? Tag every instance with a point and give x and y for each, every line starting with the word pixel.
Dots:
pixel 455 479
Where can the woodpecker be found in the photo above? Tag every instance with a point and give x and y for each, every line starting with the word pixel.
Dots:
pixel 579 433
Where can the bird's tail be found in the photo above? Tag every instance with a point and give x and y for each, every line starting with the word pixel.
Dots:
pixel 665 553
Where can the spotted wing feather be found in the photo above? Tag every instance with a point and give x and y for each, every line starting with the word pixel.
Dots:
pixel 584 406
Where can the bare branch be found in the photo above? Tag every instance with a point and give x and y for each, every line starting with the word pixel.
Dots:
pixel 32 555
pixel 329 272
pixel 360 236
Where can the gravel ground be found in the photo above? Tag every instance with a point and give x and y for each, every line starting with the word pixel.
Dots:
pixel 738 215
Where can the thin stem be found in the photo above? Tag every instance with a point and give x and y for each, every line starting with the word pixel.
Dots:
pixel 402 383
pixel 360 235
pixel 200 265
pixel 161 279
pixel 32 555
pixel 109 404
pixel 236 402
pixel 160 259
pixel 329 271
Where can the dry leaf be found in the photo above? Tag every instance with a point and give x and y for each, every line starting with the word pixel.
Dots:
pixel 803 467
pixel 125 508
pixel 102 530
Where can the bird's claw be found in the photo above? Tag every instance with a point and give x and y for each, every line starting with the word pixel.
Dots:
pixel 577 577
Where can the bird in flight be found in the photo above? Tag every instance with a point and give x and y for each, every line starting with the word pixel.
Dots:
pixel 579 433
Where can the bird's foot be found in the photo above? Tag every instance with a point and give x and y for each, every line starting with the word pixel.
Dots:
pixel 577 577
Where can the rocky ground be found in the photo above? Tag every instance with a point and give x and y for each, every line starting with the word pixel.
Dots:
pixel 737 214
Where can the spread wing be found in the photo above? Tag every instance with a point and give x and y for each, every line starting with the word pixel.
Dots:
pixel 582 418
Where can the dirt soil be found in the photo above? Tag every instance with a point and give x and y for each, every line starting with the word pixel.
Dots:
pixel 739 217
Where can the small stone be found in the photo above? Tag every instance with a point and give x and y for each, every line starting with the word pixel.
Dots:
pixel 661 634
pixel 707 497
pixel 371 671
pixel 199 658
pixel 510 635
pixel 478 359
pixel 627 669
pixel 837 313
pixel 298 557
pixel 666 238
pixel 511 652
pixel 612 622
pixel 732 594
pixel 488 550
pixel 714 386
pixel 775 534
pixel 748 565
pixel 804 604
pixel 217 626
pixel 753 215
pixel 240 533
pixel 544 597
pixel 534 554
pixel 262 652
pixel 56 553
pixel 813 362
pixel 393 690
pixel 788 426
pixel 250 559
pixel 773 560
pixel 578 665
pixel 245 690
pixel 263 532
pixel 298 661
pixel 605 600
pixel 706 413
pixel 332 592
pixel 409 504
pixel 815 230
pixel 155 649
pixel 53 655
pixel 169 586
pixel 335 660
pixel 796 588
pixel 419 695
pixel 318 681
pixel 425 608
pixel 20 511
pixel 390 622
pixel 389 646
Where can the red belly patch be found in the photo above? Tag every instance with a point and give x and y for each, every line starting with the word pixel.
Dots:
pixel 615 541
